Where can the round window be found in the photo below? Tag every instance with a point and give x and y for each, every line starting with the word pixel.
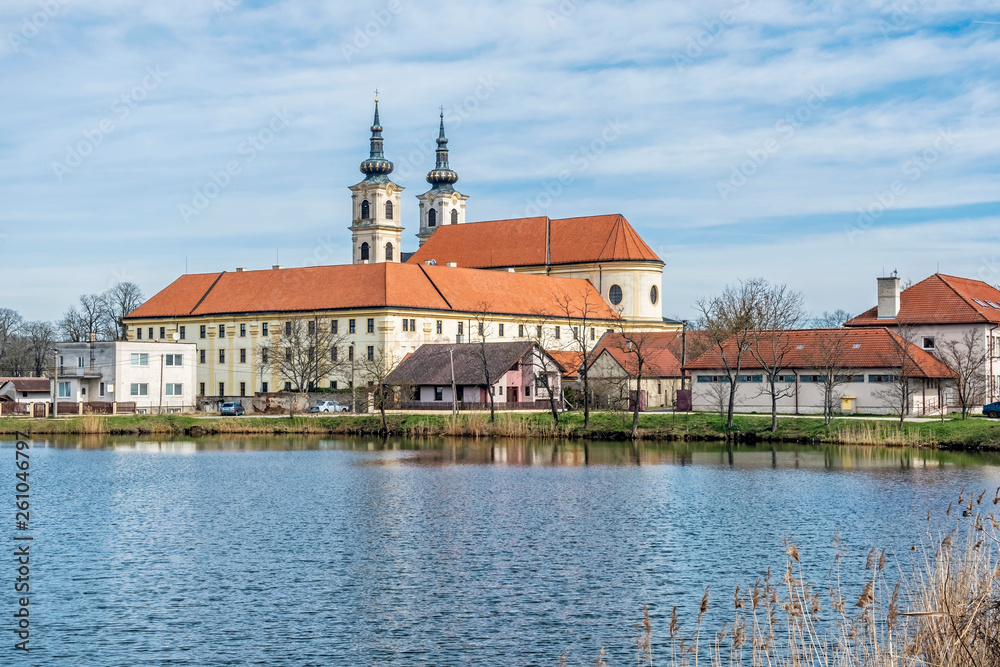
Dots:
pixel 653 294
pixel 615 294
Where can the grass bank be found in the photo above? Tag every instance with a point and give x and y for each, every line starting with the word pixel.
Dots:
pixel 973 433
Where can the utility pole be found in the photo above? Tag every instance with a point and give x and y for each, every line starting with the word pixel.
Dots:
pixel 454 396
pixel 55 394
pixel 159 410
pixel 354 407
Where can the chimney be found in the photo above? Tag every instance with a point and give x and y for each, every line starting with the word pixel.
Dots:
pixel 275 267
pixel 888 297
pixel 240 269
pixel 452 264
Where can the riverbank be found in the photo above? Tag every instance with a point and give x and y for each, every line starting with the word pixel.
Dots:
pixel 973 433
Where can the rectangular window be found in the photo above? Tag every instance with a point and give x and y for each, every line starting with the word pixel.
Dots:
pixel 288 386
pixel 333 354
pixel 138 333
pixel 183 332
pixel 288 354
pixel 350 353
pixel 222 356
pixel 150 333
pixel 140 359
pixel 439 327
pixel 79 362
pixel 312 327
pixel 351 328
pixel 576 333
pixel 64 390
pixel 174 389
pixel 849 378
pixel 243 330
pixel 438 394
pixel 263 355
pixel 593 333
pixel 538 331
pixel 100 389
pixel 750 378
pixel 243 355
pixel 460 393
pixel 413 325
pixel 333 384
pixel 558 332
pixel 201 388
pixel 520 331
pixel 371 325
pixel 222 389
pixel 263 328
pixel 201 331
pixel 500 330
pixel 882 378
pixel 222 330
pixel 786 378
pixel 201 356
pixel 139 389
pixel 461 328
pixel 406 324
pixel 480 332
pixel 163 333
pixel 928 342
pixel 712 378
pixel 263 387
pixel 243 388
pixel 174 359
pixel 371 353
pixel 288 328
pixel 333 326
pixel 527 390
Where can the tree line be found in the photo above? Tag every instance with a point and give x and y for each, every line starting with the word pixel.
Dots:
pixel 26 346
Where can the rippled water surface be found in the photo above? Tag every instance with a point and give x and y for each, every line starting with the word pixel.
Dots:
pixel 319 552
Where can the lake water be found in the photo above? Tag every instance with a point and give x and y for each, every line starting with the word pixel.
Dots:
pixel 306 551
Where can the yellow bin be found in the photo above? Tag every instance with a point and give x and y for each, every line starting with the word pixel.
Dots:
pixel 847 403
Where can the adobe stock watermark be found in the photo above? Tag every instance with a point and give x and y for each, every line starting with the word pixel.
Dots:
pixel 32 25
pixel 581 160
pixel 121 109
pixel 223 7
pixel 562 12
pixel 783 132
pixel 220 179
pixel 913 170
pixel 416 159
pixel 899 15
pixel 364 35
pixel 713 29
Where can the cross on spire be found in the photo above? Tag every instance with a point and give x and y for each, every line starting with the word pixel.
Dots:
pixel 376 94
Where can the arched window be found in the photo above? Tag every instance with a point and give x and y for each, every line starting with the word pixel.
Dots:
pixel 388 210
pixel 364 250
pixel 454 217
pixel 365 210
pixel 388 252
pixel 615 294
pixel 432 218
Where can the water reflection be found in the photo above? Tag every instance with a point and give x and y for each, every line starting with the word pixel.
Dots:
pixel 532 452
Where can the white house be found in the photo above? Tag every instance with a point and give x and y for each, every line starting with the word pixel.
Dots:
pixel 157 377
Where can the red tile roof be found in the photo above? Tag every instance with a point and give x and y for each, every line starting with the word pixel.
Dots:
pixel 568 361
pixel 940 299
pixel 861 348
pixel 353 286
pixel 522 242
pixel 658 348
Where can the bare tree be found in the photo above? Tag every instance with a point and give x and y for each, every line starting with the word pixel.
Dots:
pixel 537 334
pixel 39 337
pixel 719 393
pixel 828 359
pixel 635 346
pixel 579 316
pixel 897 391
pixel 119 300
pixel 483 330
pixel 306 352
pixel 10 325
pixel 376 364
pixel 729 321
pixel 831 320
pixel 779 310
pixel 72 327
pixel 966 358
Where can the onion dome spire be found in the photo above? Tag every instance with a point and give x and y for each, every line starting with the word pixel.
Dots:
pixel 442 177
pixel 376 168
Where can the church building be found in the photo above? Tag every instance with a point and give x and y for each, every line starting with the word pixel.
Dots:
pixel 552 281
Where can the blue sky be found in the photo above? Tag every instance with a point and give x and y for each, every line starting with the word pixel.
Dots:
pixel 812 143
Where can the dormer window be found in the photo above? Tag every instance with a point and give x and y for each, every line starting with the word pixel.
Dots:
pixel 388 210
pixel 432 217
pixel 365 210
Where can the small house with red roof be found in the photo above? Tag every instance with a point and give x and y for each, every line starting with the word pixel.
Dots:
pixel 868 367
pixel 613 368
pixel 938 312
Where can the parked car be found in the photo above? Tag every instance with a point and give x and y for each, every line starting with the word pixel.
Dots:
pixel 992 409
pixel 232 409
pixel 329 406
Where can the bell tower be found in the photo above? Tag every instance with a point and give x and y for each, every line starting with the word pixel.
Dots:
pixel 376 228
pixel 442 204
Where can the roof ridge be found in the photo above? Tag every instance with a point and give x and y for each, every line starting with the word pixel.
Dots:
pixel 940 277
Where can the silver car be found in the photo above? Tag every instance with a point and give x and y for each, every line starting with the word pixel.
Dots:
pixel 329 406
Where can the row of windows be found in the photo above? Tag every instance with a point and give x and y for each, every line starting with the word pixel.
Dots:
pixel 366 251
pixel 142 359
pixel 432 217
pixel 366 210
pixel 802 378
pixel 265 354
